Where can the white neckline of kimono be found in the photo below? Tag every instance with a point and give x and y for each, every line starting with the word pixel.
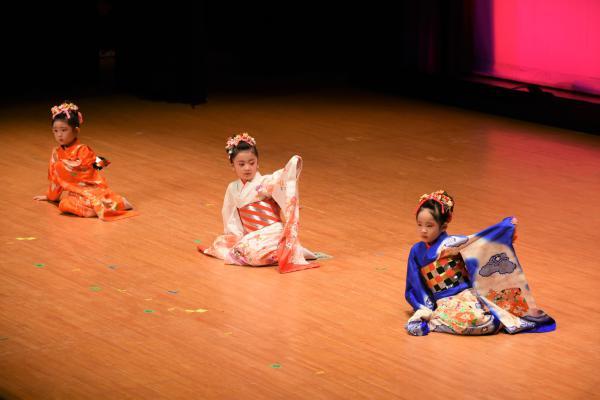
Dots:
pixel 243 186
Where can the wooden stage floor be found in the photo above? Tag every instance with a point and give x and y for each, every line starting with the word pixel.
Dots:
pixel 115 310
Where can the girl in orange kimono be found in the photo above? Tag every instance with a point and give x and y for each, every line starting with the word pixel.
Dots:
pixel 75 170
pixel 260 213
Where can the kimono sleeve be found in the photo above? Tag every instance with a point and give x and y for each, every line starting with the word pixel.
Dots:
pixel 86 157
pixel 54 188
pixel 418 297
pixel 416 294
pixel 282 184
pixel 231 220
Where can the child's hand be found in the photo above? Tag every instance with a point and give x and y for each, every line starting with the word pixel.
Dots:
pixel 40 198
pixel 514 221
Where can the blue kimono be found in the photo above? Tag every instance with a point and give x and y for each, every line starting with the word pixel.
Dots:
pixel 471 285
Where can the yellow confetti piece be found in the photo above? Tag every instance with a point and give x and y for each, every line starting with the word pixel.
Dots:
pixel 121 290
pixel 26 238
pixel 227 333
pixel 319 372
pixel 198 310
pixel 172 309
pixel 148 299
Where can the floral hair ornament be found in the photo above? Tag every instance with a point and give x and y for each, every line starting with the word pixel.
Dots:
pixel 67 109
pixel 232 142
pixel 440 197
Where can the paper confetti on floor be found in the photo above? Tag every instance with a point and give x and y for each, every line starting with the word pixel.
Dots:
pixel 197 310
pixel 39 265
pixel 276 365
pixel 322 256
pixel 95 288
pixel 26 238
pixel 435 159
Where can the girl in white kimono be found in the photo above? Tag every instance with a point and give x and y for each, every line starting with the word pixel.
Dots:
pixel 260 213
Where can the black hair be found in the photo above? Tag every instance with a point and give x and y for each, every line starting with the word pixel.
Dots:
pixel 435 209
pixel 72 119
pixel 242 146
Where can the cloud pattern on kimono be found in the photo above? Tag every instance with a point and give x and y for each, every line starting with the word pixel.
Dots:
pixel 498 263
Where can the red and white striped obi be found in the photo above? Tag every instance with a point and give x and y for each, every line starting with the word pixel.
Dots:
pixel 259 214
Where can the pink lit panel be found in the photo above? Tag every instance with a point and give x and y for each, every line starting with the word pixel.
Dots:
pixel 550 42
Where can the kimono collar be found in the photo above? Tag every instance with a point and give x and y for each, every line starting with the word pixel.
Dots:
pixel 243 185
pixel 73 143
pixel 437 241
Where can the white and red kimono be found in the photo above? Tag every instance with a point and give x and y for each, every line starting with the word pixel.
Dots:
pixel 260 219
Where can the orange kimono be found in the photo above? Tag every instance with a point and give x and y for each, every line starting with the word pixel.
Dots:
pixel 71 170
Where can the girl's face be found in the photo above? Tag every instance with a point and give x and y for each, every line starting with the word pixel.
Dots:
pixel 63 132
pixel 427 227
pixel 245 165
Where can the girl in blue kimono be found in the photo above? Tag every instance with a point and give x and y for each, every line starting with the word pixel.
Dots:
pixel 467 285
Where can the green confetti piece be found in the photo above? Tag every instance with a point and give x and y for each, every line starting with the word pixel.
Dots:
pixel 148 311
pixel 95 288
pixel 322 256
pixel 73 173
pixel 39 265
pixel 276 365
pixel 197 241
